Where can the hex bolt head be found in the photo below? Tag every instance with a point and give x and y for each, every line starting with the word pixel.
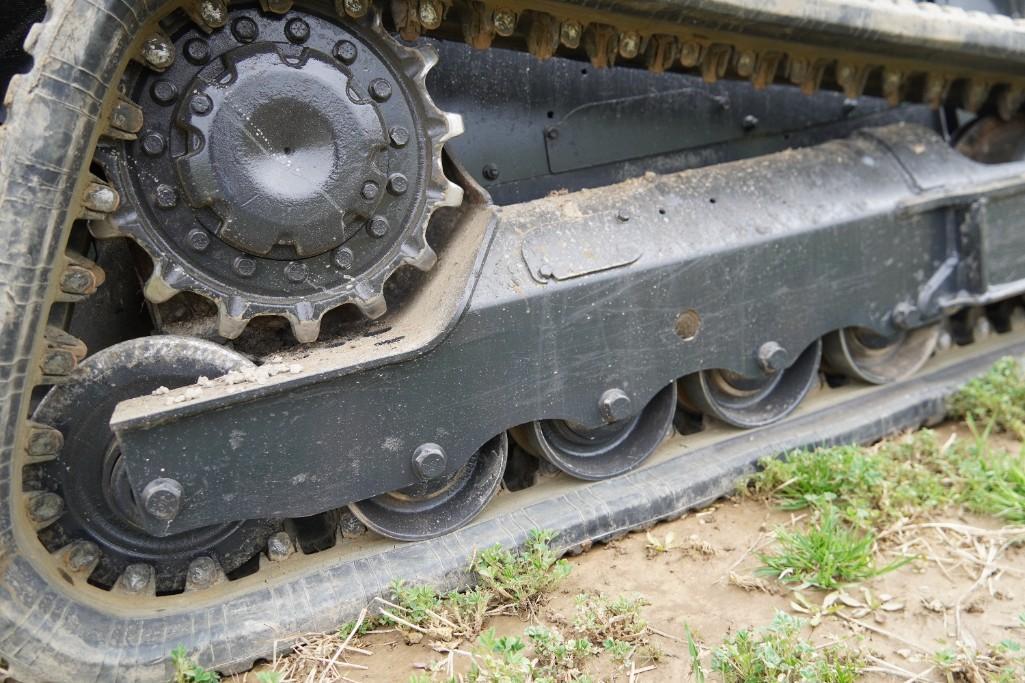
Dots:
pixel 344 258
pixel 615 405
pixel 213 13
pixel 245 267
pixel 504 21
pixel 158 52
pixel 162 498
pixel 490 172
pixel 772 357
pixel 297 31
pixel 397 183
pixel 164 92
pixel 202 572
pixel 197 51
pixel 201 104
pixel 136 577
pixel 345 51
pixel 279 546
pixel 199 239
pixel 349 526
pixel 82 555
pixel 370 190
pixel 906 315
pixel 429 461
pixel 167 196
pixel 378 226
pixel 245 30
pixel 380 89
pixel 153 144
pixel 750 122
pixel 569 33
pixel 355 8
pixel 295 271
pixel 399 136
pixel 45 507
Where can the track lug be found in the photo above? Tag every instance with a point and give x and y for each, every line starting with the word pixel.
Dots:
pixel 157 52
pixel 125 120
pixel 137 579
pixel 80 558
pixel 661 52
pixel 1010 100
pixel 478 26
pixel 765 69
pixel 349 526
pixel 204 572
pixel 80 278
pixel 404 12
pixel 44 443
pixel 629 44
pixel 351 8
pixel 276 6
pixel 852 78
pixel 208 14
pixel 936 88
pixel 44 508
pixel 505 22
pixel 280 547
pixel 99 199
pixel 715 61
pixel 543 37
pixel 601 42
pixel 976 93
pixel 893 86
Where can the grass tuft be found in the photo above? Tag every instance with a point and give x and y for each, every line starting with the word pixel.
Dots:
pixel 522 579
pixel 187 671
pixel 997 397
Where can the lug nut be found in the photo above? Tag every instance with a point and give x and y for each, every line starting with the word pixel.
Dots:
pixel 343 258
pixel 490 172
pixel 295 271
pixel 245 267
pixel 615 405
pixel 245 30
pixel 197 51
pixel 569 34
pixel 201 104
pixel 44 442
pixel 43 508
pixel 279 546
pixel 162 498
pixel 380 89
pixel 345 52
pixel 370 190
pixel 505 22
pixel 399 136
pixel 202 573
pixel 199 239
pixel 349 526
pixel 772 357
pixel 167 196
pixel 354 8
pixel 397 183
pixel 429 461
pixel 164 92
pixel 101 198
pixel 83 555
pixel 297 31
pixel 158 52
pixel 214 13
pixel 378 226
pixel 136 577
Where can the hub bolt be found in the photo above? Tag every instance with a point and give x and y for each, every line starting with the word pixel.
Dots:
pixel 343 258
pixel 399 136
pixel 370 190
pixel 297 31
pixel 245 267
pixel 295 271
pixel 490 172
pixel 199 239
pixel 279 546
pixel 164 92
pixel 397 184
pixel 345 52
pixel 136 577
pixel 245 30
pixel 772 357
pixel 167 196
pixel 505 22
pixel 201 104
pixel 355 8
pixel 197 51
pixel 83 555
pixel 45 507
pixel 153 144
pixel 158 52
pixel 380 89
pixel 162 498
pixel 429 461
pixel 379 226
pixel 615 405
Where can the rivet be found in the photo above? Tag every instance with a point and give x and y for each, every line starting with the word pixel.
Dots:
pixel 345 52
pixel 279 546
pixel 295 271
pixel 380 89
pixel 82 556
pixel 162 498
pixel 167 196
pixel 772 357
pixel 45 507
pixel 158 52
pixel 199 239
pixel 356 8
pixel 213 13
pixel 490 172
pixel 244 266
pixel 164 92
pixel 197 51
pixel 344 258
pixel 297 31
pixel 614 405
pixel 378 226
pixel 245 30
pixel 750 122
pixel 504 21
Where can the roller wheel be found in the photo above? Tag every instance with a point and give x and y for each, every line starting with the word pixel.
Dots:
pixel 866 356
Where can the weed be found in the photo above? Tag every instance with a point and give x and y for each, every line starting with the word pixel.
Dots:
pixel 997 397
pixel 499 660
pixel 187 671
pixel 522 579
pixel 601 619
pixel 826 555
pixel 696 669
pixel 778 653
pixel 992 481
pixel 556 658
pixel 269 677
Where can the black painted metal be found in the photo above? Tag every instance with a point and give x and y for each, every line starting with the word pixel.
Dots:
pixel 783 248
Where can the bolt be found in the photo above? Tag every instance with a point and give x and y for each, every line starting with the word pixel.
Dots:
pixel 162 498
pixel 83 555
pixel 490 172
pixel 45 507
pixel 545 270
pixel 78 280
pixel 397 183
pixel 380 89
pixel 399 136
pixel 345 52
pixel 164 92
pixel 244 266
pixel 158 52
pixel 245 30
pixel 370 190
pixel 552 133
pixel 745 63
pixel 429 461
pixel 504 21
pixel 213 13
pixel 197 51
pixel 614 405
pixel 201 104
pixel 153 144
pixel 378 226
pixel 356 8
pixel 349 526
pixel 44 441
pixel 629 45
pixel 295 271
pixel 772 357
pixel 199 239
pixel 101 198
pixel 202 572
pixel 136 577
pixel 622 215
pixel 848 106
pixel 906 315
pixel 343 258
pixel 750 122
pixel 279 546
pixel 297 31
pixel 430 16
pixel 167 196
pixel 569 34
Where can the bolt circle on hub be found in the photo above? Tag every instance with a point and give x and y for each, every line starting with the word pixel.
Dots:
pixel 305 148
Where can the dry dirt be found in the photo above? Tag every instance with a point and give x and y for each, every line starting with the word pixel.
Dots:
pixel 691 584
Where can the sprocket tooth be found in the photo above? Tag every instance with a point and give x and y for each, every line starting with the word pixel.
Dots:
pixel 137 579
pixel 420 256
pixel 157 289
pixel 305 326
pixel 370 302
pixel 231 318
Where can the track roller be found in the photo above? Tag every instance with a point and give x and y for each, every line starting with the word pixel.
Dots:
pixel 440 504
pixel 748 402
pixel 864 355
pixel 605 451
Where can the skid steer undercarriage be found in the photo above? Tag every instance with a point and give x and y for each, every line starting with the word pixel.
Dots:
pixel 222 392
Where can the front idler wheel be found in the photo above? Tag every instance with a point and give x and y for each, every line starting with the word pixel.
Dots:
pixel 867 356
pixel 606 451
pixel 749 402
pixel 438 504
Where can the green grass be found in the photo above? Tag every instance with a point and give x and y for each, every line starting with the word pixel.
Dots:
pixel 826 555
pixel 778 653
pixel 187 671
pixel 522 578
pixel 997 397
